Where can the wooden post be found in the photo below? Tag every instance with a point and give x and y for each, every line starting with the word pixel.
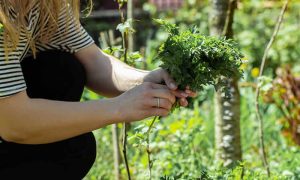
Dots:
pixel 115 138
pixel 130 8
pixel 114 129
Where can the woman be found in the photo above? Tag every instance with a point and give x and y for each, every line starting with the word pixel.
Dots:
pixel 46 58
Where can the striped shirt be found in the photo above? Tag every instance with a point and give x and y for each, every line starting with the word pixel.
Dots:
pixel 69 39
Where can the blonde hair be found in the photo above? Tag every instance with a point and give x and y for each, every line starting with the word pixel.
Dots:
pixel 47 23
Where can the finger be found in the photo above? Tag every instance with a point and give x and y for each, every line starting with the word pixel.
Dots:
pixel 180 94
pixel 158 112
pixel 177 93
pixel 191 93
pixel 159 86
pixel 183 102
pixel 163 93
pixel 160 103
pixel 169 80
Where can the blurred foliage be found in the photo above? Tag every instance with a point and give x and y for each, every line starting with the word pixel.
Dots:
pixel 183 147
pixel 1 27
pixel 183 143
pixel 254 24
pixel 284 92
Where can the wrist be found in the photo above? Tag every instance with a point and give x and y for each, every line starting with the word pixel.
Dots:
pixel 128 78
pixel 116 110
pixel 141 75
pixel 153 76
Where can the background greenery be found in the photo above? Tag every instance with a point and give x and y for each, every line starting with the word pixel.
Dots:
pixel 183 143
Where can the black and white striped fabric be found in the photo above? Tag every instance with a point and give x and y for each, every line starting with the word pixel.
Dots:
pixel 69 37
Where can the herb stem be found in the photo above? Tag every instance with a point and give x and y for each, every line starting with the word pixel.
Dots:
pixel 150 162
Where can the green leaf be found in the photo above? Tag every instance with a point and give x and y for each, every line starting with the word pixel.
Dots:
pixel 121 2
pixel 126 27
pixel 265 83
pixel 1 28
pixel 113 50
pixel 135 56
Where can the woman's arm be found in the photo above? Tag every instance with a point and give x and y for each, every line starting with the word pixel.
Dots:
pixel 106 75
pixel 38 121
pixel 110 77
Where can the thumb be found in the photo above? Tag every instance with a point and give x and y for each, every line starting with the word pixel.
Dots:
pixel 169 81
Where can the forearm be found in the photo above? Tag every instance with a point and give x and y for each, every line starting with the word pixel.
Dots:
pixel 125 77
pixel 39 121
pixel 107 75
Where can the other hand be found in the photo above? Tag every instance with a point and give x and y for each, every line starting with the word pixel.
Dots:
pixel 145 100
pixel 160 76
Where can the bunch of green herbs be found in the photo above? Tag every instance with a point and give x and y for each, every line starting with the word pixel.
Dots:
pixel 195 60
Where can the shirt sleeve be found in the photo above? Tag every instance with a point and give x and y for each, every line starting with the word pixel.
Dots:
pixel 70 35
pixel 11 76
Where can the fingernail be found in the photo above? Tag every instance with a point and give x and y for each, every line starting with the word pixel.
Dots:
pixel 188 91
pixel 186 103
pixel 184 94
pixel 173 86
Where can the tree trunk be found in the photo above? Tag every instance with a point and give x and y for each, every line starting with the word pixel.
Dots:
pixel 227 108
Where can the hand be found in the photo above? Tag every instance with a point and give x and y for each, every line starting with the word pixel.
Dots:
pixel 141 102
pixel 162 76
